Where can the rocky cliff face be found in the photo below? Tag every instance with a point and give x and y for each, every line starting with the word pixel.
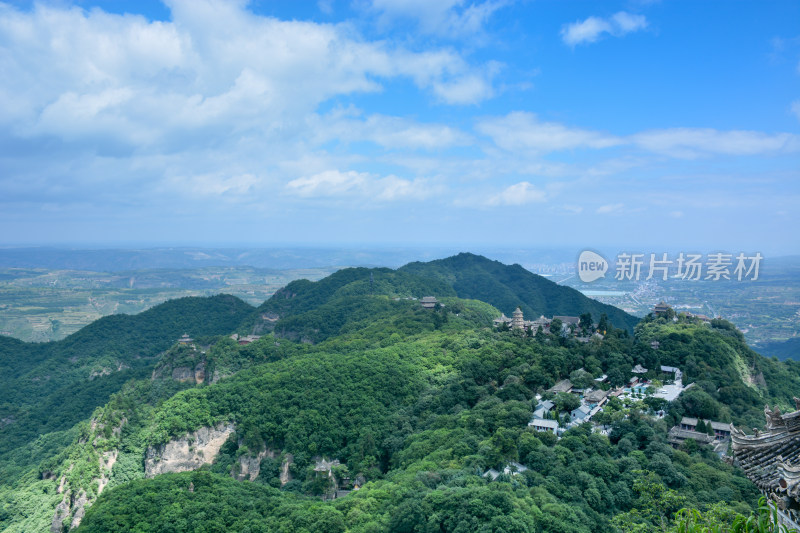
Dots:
pixel 187 453
pixel 76 500
pixel 250 467
pixel 285 475
pixel 182 363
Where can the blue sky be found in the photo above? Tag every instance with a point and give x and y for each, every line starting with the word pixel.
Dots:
pixel 634 124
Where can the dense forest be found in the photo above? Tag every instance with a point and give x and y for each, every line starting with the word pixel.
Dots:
pixel 508 287
pixel 355 390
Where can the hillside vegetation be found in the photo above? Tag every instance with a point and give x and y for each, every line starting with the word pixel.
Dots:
pixel 507 287
pixel 50 387
pixel 358 387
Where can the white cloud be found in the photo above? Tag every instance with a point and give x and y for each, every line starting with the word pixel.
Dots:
pixel 522 131
pixel 450 18
pixel 796 107
pixel 591 29
pixel 695 142
pixel 352 184
pixel 216 69
pixel 469 89
pixel 572 209
pixel 627 23
pixel 609 209
pixel 216 184
pixel 215 101
pixel 518 194
pixel 329 183
pixel 346 126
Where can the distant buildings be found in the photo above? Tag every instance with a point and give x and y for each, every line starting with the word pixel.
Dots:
pixel 721 430
pixel 703 318
pixel 595 398
pixel 429 302
pixel 185 340
pixel 661 308
pixel 541 424
pixel 564 385
pixel 715 433
pixel 568 321
pixel 676 372
pixel 542 411
pixel 677 436
pixel 517 321
pixel 581 413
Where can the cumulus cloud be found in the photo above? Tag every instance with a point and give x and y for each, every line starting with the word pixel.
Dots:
pixel 215 68
pixel 593 28
pixel 122 109
pixel 352 184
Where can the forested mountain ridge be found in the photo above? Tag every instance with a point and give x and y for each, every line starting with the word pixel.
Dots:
pixel 421 417
pixel 48 387
pixel 412 406
pixel 509 286
pixel 314 311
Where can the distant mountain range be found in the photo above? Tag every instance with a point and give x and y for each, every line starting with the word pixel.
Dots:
pixel 122 259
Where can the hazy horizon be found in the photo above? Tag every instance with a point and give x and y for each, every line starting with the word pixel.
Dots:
pixel 634 125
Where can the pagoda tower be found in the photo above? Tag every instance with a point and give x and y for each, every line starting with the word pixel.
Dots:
pixel 517 322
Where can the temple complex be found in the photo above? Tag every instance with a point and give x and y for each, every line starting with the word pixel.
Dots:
pixel 771 459
pixel 517 321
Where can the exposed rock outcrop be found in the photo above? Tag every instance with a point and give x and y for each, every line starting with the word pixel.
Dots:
pixel 76 500
pixel 62 511
pixel 250 467
pixel 187 453
pixel 200 372
pixel 286 476
pixel 182 373
pixel 182 363
pixel 80 509
pixel 107 461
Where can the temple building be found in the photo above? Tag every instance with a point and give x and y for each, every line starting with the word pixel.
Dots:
pixel 771 459
pixel 429 302
pixel 661 308
pixel 517 321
